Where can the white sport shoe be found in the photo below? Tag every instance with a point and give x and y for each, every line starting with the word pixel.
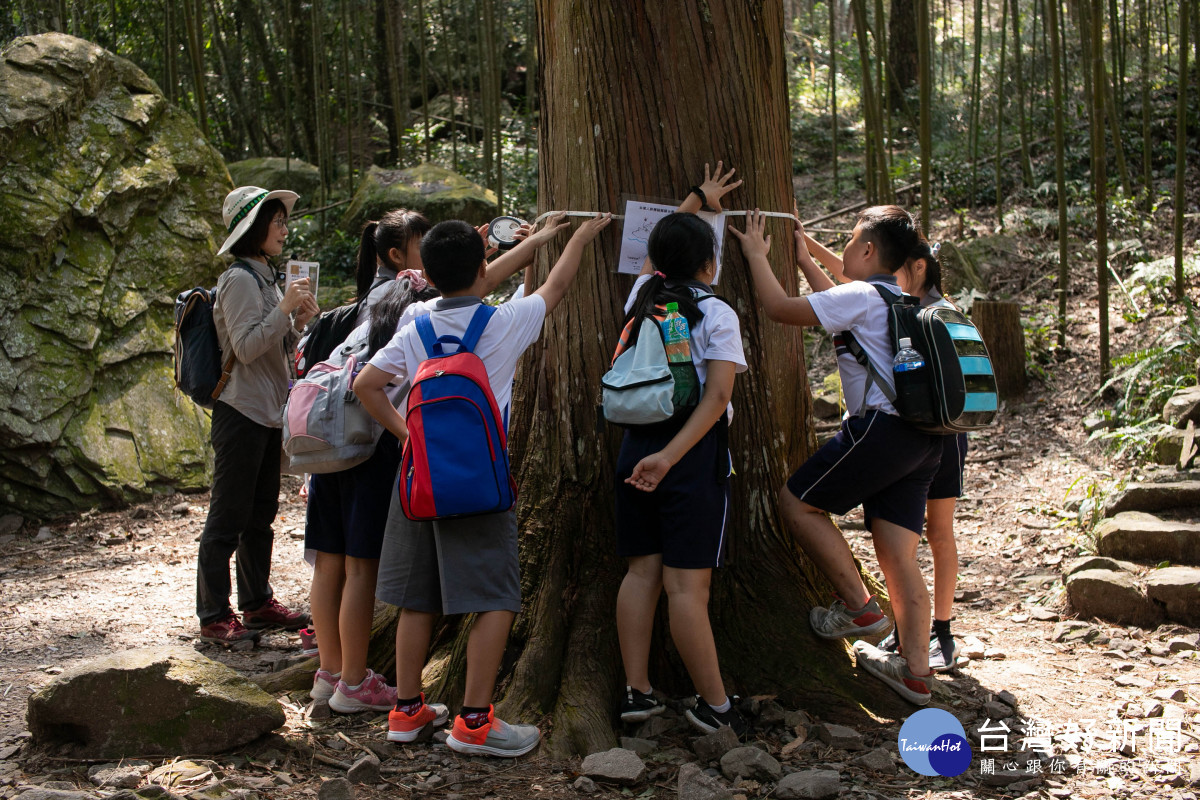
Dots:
pixel 839 622
pixel 893 670
pixel 373 694
pixel 324 684
pixel 494 738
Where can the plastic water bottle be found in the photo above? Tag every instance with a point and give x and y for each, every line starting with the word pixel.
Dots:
pixel 911 376
pixel 677 343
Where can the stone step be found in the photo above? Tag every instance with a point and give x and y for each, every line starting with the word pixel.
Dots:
pixel 1138 536
pixel 1154 497
pixel 1113 596
pixel 1177 589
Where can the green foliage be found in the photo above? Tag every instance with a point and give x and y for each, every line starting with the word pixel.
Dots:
pixel 335 249
pixel 1144 379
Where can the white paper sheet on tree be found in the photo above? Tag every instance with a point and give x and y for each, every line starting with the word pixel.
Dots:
pixel 640 219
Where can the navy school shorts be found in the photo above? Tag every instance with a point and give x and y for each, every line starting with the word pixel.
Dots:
pixel 948 482
pixel 686 517
pixel 347 510
pixel 877 460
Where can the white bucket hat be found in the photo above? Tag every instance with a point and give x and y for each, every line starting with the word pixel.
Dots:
pixel 241 209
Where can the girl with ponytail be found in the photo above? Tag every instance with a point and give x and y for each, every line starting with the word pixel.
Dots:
pixel 386 248
pixel 672 481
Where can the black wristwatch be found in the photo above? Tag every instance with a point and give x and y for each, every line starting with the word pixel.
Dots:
pixel 696 190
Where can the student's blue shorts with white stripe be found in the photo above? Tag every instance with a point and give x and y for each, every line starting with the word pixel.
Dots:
pixel 877 460
pixel 948 482
pixel 686 517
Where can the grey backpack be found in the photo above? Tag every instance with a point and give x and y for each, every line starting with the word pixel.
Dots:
pixel 325 427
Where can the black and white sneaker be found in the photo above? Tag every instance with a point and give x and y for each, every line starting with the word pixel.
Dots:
pixel 890 643
pixel 638 706
pixel 703 718
pixel 941 657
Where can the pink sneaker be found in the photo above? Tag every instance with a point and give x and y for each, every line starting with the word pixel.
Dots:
pixel 324 684
pixel 373 694
pixel 308 641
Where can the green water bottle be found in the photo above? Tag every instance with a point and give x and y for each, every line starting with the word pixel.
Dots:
pixel 677 342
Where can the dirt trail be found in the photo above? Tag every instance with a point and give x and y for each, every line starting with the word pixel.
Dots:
pixel 106 581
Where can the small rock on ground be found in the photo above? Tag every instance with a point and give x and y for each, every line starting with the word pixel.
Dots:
pixel 585 785
pixel 365 770
pixel 617 765
pixel 810 784
pixel 336 789
pixel 840 736
pixel 877 760
pixel 643 747
pixel 750 763
pixel 694 784
pixel 711 746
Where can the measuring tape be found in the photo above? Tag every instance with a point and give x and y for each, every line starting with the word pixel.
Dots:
pixel 592 214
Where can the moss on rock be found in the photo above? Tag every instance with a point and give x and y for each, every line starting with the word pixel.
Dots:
pixel 279 173
pixel 151 701
pixel 109 206
pixel 435 191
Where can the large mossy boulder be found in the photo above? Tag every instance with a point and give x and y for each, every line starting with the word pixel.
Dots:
pixel 436 192
pixel 279 173
pixel 109 206
pixel 151 701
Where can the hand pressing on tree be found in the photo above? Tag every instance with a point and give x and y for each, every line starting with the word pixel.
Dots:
pixel 649 472
pixel 755 243
pixel 715 186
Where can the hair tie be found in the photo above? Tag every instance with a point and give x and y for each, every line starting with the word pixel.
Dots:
pixel 659 274
pixel 935 249
pixel 415 279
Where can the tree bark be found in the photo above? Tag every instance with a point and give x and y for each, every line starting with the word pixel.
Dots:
pixel 903 58
pixel 1060 181
pixel 924 46
pixel 648 134
pixel 1100 176
pixel 1000 325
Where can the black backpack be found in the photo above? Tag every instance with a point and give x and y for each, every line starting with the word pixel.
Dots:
pixel 956 392
pixel 199 372
pixel 327 332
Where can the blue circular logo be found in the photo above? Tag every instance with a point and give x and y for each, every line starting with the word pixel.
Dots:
pixel 933 742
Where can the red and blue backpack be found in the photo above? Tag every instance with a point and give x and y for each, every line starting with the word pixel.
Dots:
pixel 455 462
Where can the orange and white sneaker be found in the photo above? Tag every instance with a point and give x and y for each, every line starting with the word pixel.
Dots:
pixel 407 727
pixel 494 738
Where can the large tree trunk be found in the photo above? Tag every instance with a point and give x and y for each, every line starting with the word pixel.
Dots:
pixel 635 99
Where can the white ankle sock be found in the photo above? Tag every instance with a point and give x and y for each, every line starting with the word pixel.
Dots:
pixel 721 709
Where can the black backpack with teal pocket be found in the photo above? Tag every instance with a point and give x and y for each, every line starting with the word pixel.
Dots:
pixel 959 393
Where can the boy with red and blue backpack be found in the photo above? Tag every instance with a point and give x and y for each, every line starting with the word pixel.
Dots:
pixel 435 559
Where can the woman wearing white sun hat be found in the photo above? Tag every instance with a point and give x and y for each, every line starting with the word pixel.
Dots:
pixel 258 325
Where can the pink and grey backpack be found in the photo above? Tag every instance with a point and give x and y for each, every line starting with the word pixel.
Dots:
pixel 455 462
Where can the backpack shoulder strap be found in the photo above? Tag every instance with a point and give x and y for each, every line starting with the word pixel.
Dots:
pixel 428 337
pixel 243 265
pixel 479 321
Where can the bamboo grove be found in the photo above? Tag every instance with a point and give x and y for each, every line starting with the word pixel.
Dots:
pixel 972 105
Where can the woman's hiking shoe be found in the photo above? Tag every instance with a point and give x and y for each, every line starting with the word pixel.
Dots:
pixel 705 719
pixel 228 631
pixel 839 622
pixel 308 641
pixel 638 706
pixel 893 670
pixel 403 727
pixel 493 738
pixel 324 685
pixel 373 694
pixel 275 614
pixel 938 661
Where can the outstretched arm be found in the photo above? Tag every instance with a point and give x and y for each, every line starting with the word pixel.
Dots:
pixel 563 273
pixel 522 255
pixel 778 305
pixel 715 186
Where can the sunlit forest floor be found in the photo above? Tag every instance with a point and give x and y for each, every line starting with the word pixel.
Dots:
pixel 109 580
